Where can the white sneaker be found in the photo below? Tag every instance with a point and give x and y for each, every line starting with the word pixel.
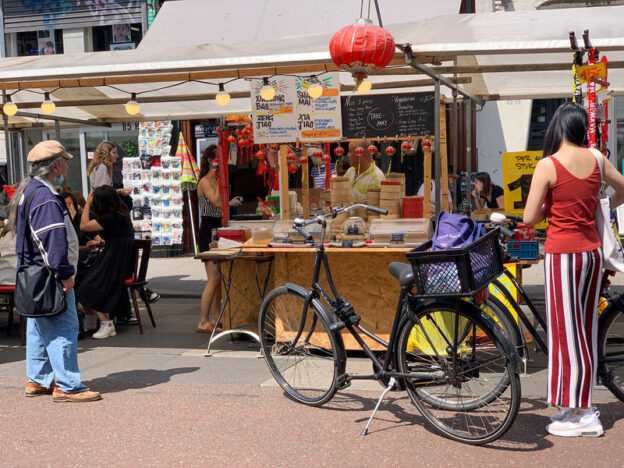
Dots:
pixel 107 329
pixel 560 416
pixel 577 424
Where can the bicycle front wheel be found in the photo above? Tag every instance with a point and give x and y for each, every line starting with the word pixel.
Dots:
pixel 464 382
pixel 611 349
pixel 302 353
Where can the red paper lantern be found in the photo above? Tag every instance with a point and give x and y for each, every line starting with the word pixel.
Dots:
pixel 249 128
pixel 361 47
pixel 303 160
pixel 238 132
pixel 359 151
pixel 260 155
pixel 242 143
pixel 231 139
pixel 274 147
pixel 406 146
pixel 390 150
pixel 372 149
pixel 425 144
pixel 339 151
pixel 292 168
pixel 326 158
pixel 317 153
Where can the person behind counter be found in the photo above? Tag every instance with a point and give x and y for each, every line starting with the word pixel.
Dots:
pixel 364 173
pixel 486 194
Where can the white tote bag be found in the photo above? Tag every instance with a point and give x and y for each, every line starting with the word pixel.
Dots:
pixel 612 252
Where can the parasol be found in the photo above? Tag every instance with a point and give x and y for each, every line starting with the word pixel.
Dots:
pixel 188 179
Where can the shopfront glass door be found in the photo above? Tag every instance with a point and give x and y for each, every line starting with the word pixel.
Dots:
pixel 70 139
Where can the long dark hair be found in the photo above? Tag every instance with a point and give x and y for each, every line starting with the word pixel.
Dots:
pixel 570 123
pixel 486 180
pixel 107 200
pixel 207 158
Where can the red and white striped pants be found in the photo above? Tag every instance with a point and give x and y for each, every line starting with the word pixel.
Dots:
pixel 572 289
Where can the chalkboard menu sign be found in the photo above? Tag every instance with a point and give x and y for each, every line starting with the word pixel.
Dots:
pixel 387 115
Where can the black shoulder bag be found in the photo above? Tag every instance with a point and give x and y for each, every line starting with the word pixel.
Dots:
pixel 38 291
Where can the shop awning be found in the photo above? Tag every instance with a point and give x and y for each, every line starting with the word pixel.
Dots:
pixel 506 55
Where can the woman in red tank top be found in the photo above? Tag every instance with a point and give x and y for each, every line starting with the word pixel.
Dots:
pixel 564 189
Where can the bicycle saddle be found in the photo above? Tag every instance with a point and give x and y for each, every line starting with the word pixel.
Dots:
pixel 403 272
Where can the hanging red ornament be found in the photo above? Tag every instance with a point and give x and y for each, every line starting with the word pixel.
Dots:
pixel 339 151
pixel 317 153
pixel 326 158
pixel 359 151
pixel 292 168
pixel 361 48
pixel 290 153
pixel 244 132
pixel 425 143
pixel 372 149
pixel 231 139
pixel 406 146
pixel 390 150
pixel 242 143
pixel 260 155
pixel 303 160
pixel 249 128
pixel 274 147
pixel 238 132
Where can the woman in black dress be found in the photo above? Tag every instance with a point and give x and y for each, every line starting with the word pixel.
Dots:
pixel 486 194
pixel 102 286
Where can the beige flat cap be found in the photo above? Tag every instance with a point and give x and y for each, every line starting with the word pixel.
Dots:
pixel 47 150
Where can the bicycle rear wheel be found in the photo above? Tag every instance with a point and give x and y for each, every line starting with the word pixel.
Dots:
pixel 302 353
pixel 467 386
pixel 611 349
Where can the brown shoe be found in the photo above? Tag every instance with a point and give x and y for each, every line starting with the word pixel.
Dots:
pixel 60 396
pixel 33 389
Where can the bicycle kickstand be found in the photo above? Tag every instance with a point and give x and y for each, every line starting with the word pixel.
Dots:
pixel 370 420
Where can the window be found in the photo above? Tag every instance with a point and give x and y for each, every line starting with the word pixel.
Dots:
pixel 120 36
pixel 44 42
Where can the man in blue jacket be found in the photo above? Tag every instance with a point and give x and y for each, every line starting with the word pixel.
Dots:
pixel 52 342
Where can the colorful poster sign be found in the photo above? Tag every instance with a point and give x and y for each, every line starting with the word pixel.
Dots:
pixel 319 119
pixel 275 121
pixel 518 170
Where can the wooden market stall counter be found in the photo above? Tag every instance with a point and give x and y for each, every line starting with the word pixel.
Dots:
pixel 360 274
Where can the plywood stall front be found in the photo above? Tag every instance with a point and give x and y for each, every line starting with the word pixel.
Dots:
pixel 361 276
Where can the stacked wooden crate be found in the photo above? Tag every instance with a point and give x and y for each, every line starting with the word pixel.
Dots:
pixel 340 196
pixel 391 198
pixel 373 199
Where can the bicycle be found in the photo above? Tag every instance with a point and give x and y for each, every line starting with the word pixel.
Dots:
pixel 452 359
pixel 610 322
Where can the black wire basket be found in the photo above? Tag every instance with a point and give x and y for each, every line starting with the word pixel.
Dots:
pixel 457 272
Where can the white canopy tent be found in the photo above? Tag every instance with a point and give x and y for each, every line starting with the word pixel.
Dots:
pixel 502 55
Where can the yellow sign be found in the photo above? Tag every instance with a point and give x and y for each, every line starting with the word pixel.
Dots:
pixel 518 170
pixel 586 73
pixel 509 286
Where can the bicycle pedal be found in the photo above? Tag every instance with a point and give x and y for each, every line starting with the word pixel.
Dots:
pixel 343 381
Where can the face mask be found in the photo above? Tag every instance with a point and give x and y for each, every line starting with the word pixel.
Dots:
pixel 58 180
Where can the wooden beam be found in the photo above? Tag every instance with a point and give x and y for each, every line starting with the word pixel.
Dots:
pixel 283 178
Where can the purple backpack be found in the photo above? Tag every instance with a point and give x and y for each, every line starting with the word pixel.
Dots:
pixel 454 231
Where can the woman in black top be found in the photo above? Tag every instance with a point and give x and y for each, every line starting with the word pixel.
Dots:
pixel 103 285
pixel 486 194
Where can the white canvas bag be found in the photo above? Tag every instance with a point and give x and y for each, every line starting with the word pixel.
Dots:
pixel 612 252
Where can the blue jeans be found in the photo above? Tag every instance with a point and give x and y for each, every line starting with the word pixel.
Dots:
pixel 52 349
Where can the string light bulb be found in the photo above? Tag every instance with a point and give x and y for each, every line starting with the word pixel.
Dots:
pixel 222 97
pixel 132 106
pixel 315 88
pixel 268 91
pixel 9 107
pixel 363 84
pixel 47 106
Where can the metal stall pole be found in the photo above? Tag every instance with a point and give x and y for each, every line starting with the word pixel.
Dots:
pixel 468 112
pixel 455 144
pixel 436 145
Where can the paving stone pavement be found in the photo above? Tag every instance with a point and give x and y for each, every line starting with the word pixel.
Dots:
pixel 165 404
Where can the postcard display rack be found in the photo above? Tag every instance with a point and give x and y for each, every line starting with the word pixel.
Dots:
pixel 154 178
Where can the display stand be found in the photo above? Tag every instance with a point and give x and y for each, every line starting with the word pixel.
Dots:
pixel 220 258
